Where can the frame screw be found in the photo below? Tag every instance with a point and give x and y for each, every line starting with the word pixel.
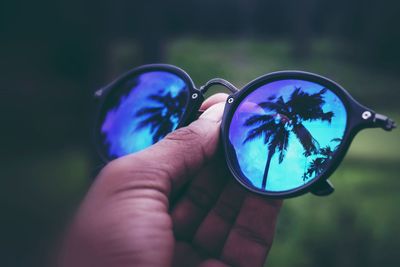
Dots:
pixel 366 115
pixel 98 93
pixel 195 95
pixel 230 100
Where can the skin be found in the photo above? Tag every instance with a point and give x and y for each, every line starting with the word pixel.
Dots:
pixel 173 204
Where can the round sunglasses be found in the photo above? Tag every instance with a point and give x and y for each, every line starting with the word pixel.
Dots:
pixel 283 134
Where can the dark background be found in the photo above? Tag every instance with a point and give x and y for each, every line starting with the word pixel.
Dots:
pixel 54 54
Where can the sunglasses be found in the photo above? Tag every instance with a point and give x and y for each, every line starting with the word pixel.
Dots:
pixel 283 134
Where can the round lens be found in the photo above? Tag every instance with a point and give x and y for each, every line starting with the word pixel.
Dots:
pixel 141 111
pixel 284 134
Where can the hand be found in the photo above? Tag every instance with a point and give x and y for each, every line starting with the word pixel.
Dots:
pixel 174 203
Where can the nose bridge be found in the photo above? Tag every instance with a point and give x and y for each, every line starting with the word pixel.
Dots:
pixel 218 81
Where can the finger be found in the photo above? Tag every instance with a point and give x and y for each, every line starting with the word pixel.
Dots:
pixel 185 255
pixel 214 230
pixel 188 149
pixel 214 99
pixel 199 198
pixel 212 263
pixel 251 236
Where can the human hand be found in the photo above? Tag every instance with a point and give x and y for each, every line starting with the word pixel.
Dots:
pixel 174 203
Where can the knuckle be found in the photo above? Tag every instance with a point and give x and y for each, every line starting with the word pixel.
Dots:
pixel 190 141
pixel 251 235
pixel 123 165
pixel 146 184
pixel 226 211
pixel 129 173
pixel 188 134
pixel 115 167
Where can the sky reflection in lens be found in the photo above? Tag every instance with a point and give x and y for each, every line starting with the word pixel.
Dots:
pixel 285 133
pixel 142 111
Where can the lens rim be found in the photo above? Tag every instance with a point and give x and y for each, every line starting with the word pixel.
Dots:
pixel 354 123
pixel 193 103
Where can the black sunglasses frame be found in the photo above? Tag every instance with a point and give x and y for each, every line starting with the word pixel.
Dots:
pixel 358 117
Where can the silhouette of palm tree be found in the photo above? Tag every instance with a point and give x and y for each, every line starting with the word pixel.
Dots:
pixel 319 164
pixel 164 116
pixel 284 118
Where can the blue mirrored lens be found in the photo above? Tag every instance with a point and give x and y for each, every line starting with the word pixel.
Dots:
pixel 285 133
pixel 141 112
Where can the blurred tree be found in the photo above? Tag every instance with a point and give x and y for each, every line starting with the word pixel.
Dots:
pixel 246 17
pixel 301 31
pixel 150 29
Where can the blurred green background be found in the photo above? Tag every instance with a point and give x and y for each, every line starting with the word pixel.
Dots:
pixel 54 55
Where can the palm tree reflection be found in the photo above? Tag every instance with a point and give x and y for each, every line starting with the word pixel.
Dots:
pixel 320 163
pixel 284 118
pixel 162 117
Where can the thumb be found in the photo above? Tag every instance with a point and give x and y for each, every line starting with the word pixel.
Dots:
pixel 168 165
pixel 187 149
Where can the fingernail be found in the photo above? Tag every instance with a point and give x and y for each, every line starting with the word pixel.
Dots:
pixel 214 113
pixel 214 99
